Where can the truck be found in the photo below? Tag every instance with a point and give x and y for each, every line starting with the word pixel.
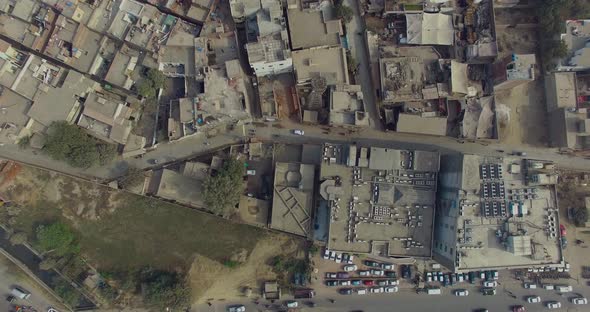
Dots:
pixel 304 293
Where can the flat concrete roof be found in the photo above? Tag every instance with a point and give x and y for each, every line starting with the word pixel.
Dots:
pixel 373 212
pixel 308 28
pixel 183 189
pixel 520 212
pixel 412 123
pixel 325 62
pixel 292 199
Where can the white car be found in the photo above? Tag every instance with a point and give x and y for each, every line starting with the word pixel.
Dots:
pixel 350 259
pixel 392 282
pixel 533 299
pixel 298 132
pixel 461 292
pixel 391 289
pixel 326 255
pixel 338 258
pixel 553 305
pixel 361 291
pixel 377 272
pixel 530 285
pixel 344 283
pixel 580 300
pixel 236 308
pixel 364 273
pixel 428 277
pixel 377 290
pixel 350 268
pixel 331 275
pixel 387 266
pixel 490 284
pixel 332 255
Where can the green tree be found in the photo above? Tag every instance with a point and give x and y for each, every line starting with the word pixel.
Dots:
pixel 71 144
pixel 344 12
pixel 164 289
pixel 134 177
pixel 222 192
pixel 56 238
pixel 146 89
pixel 580 215
pixel 156 77
pixel 68 293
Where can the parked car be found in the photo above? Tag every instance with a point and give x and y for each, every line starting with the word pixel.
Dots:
pixel 345 291
pixel 361 291
pixel 377 272
pixel 326 255
pixel 20 293
pixel 344 283
pixel 392 282
pixel 530 285
pixel 487 291
pixel 548 287
pixel 350 259
pixel 580 300
pixel 342 275
pixel 562 230
pixel 518 308
pixel 371 263
pixel 471 276
pixel 406 271
pixel 369 282
pixel 490 284
pixel 482 274
pixel 332 255
pixel 338 258
pixel 331 275
pixel 391 289
pixel 553 305
pixel 291 304
pixel 331 283
pixel 364 273
pixel 429 276
pixel 382 283
pixel 495 275
pixel 356 282
pixel 533 299
pixel 298 132
pixel 564 288
pixel 461 292
pixel 345 257
pixel 377 290
pixel 350 267
pixel 236 308
pixel 387 266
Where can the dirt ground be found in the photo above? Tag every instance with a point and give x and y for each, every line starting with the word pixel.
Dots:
pixel 522 115
pixel 517 40
pixel 211 280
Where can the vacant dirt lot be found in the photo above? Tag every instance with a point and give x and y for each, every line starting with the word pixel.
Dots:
pixel 121 231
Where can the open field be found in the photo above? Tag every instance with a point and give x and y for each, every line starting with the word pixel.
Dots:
pixel 121 232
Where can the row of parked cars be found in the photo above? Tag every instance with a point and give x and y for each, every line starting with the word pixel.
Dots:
pixel 372 290
pixel 382 282
pixel 337 256
pixel 452 278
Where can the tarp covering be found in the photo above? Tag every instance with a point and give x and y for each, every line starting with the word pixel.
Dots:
pixel 430 28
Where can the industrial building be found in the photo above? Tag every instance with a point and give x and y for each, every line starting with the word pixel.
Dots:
pixel 381 201
pixel 498 213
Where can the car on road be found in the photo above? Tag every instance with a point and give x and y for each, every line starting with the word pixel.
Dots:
pixel 377 290
pixel 387 266
pixel 371 263
pixel 553 304
pixel 580 300
pixel 564 288
pixel 331 275
pixel 533 299
pixel 519 153
pixel 490 284
pixel 356 282
pixel 369 283
pixel 518 308
pixel 236 308
pixel 338 258
pixel 345 291
pixel 377 272
pixel 291 304
pixel 350 267
pixel 331 283
pixel 344 283
pixel 548 286
pixel 342 275
pixel 298 132
pixel 461 292
pixel 364 273
pixel 530 285
pixel 391 289
pixel 487 291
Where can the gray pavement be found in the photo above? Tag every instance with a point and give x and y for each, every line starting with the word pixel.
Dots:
pixel 11 275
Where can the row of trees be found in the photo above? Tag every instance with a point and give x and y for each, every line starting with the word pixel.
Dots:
pixel 70 143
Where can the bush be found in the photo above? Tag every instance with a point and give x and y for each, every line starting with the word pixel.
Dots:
pixel 71 144
pixel 163 289
pixel 231 264
pixel 69 294
pixel 344 12
pixel 56 238
pixel 222 192
pixel 134 177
